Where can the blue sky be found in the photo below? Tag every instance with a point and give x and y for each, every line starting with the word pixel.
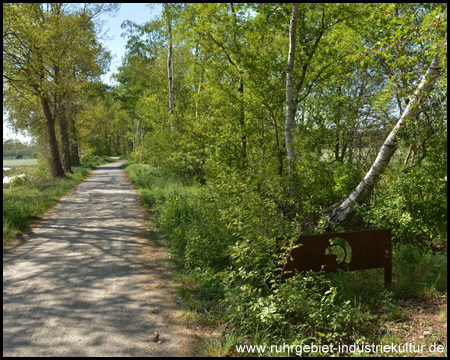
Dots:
pixel 137 12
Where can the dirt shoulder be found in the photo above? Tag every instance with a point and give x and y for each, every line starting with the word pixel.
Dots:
pixel 88 281
pixel 425 326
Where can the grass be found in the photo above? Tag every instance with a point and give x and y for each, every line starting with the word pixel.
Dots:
pixel 419 273
pixel 30 197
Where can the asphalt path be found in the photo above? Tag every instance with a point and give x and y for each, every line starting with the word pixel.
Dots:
pixel 85 281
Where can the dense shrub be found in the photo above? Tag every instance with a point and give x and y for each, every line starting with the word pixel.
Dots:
pixel 413 205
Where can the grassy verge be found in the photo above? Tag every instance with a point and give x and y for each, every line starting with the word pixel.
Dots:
pixel 29 197
pixel 222 241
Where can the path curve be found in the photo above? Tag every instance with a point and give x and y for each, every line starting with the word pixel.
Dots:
pixel 86 282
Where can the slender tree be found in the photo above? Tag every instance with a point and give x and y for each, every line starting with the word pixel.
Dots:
pixel 290 107
pixel 168 16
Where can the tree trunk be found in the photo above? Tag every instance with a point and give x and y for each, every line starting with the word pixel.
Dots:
pixel 170 75
pixel 74 157
pixel 279 149
pixel 170 70
pixel 56 169
pixel 139 130
pixel 344 211
pixel 338 126
pixel 240 90
pixel 290 108
pixel 62 122
pixel 65 146
pixel 74 153
pixel 134 135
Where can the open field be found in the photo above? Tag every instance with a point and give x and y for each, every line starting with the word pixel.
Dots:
pixel 19 162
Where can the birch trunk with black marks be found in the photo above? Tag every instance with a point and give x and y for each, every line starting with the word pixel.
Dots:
pixel 290 106
pixel 344 211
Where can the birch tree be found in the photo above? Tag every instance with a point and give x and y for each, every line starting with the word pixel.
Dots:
pixel 320 49
pixel 170 65
pixel 290 107
pixel 344 211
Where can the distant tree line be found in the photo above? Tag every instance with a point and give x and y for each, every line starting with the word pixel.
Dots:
pixel 13 147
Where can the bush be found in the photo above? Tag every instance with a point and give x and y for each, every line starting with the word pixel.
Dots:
pixel 305 306
pixel 20 180
pixel 223 238
pixel 188 218
pixel 413 206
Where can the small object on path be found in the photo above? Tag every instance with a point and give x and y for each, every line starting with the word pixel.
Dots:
pixel 156 336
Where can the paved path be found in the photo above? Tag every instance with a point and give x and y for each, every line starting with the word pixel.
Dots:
pixel 85 282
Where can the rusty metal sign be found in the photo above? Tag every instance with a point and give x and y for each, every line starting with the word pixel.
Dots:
pixel 347 251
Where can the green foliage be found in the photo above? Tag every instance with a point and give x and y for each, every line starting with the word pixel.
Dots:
pixel 305 306
pixel 91 160
pixel 52 60
pixel 229 119
pixel 413 205
pixel 216 175
pixel 223 239
pixel 193 228
pixel 356 67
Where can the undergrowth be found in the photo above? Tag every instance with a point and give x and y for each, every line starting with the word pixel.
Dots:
pixel 223 239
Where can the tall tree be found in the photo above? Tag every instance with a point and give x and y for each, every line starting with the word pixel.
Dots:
pixel 28 29
pixel 48 51
pixel 320 32
pixel 222 41
pixel 168 17
pixel 290 107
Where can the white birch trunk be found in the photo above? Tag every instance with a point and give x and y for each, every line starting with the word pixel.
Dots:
pixel 170 66
pixel 134 135
pixel 170 75
pixel 344 211
pixel 290 108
